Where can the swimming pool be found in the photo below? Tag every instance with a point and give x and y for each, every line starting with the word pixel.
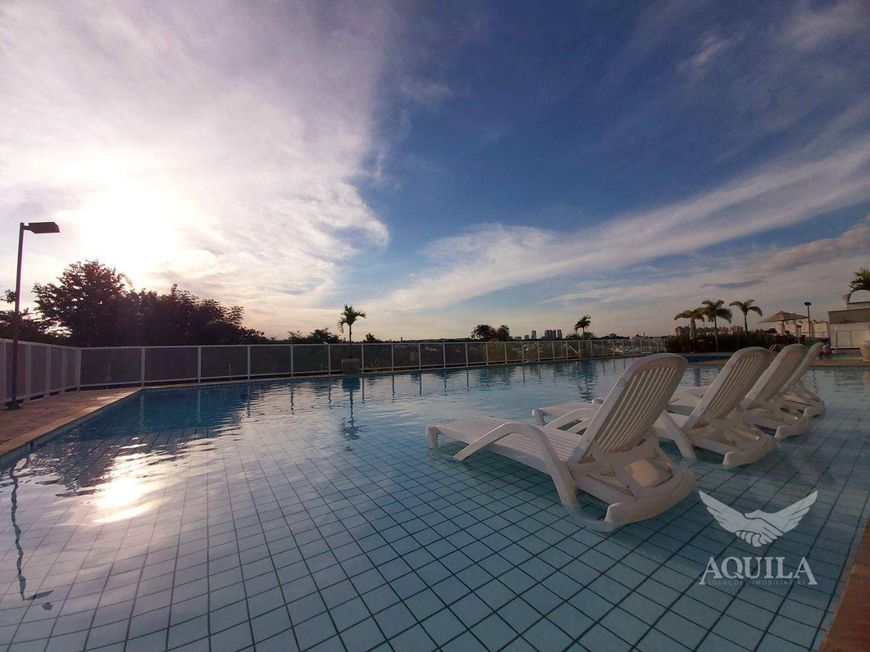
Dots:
pixel 309 515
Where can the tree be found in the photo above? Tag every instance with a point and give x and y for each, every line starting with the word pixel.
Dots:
pixel 746 307
pixel 503 333
pixel 371 339
pixel 348 317
pixel 94 305
pixel 30 329
pixel 714 310
pixel 483 332
pixel 582 324
pixel 88 302
pixel 693 315
pixel 860 282
pixel 322 336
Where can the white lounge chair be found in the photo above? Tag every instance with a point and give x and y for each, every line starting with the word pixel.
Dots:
pixel 766 405
pixel 798 395
pixel 714 419
pixel 609 450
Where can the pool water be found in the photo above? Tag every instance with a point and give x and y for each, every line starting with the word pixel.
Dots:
pixel 310 515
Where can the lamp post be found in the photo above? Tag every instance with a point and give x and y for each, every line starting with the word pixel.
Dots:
pixel 809 321
pixel 37 228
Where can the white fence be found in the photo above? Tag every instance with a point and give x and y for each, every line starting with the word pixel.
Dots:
pixel 45 369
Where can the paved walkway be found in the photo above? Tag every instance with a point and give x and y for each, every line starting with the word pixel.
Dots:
pixel 37 418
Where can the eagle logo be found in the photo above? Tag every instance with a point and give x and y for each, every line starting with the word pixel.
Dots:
pixel 758 528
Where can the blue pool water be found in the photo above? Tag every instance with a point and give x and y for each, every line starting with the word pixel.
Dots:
pixel 309 515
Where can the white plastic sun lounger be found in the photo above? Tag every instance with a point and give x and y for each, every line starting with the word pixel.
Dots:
pixel 797 394
pixel 609 451
pixel 714 420
pixel 766 405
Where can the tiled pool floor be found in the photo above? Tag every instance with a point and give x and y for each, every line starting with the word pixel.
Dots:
pixel 310 515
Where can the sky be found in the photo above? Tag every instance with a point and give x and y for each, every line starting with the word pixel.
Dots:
pixel 441 165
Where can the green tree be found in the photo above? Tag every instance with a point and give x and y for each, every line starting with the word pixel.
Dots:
pixel 483 332
pixel 322 336
pixel 714 310
pixel 746 307
pixel 30 329
pixel 94 305
pixel 694 315
pixel 371 339
pixel 503 333
pixel 89 302
pixel 860 282
pixel 582 324
pixel 348 317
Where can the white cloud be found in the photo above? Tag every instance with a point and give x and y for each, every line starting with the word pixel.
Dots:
pixel 219 146
pixel 808 29
pixel 492 257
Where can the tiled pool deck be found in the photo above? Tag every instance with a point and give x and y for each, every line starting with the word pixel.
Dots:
pixel 309 515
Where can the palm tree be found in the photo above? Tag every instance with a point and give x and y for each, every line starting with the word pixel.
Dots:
pixel 693 315
pixel 746 307
pixel 348 316
pixel 713 310
pixel 860 282
pixel 582 324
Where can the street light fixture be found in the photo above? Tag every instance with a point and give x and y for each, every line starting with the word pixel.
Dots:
pixel 809 321
pixel 37 228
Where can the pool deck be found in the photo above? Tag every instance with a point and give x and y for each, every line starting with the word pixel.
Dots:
pixel 36 419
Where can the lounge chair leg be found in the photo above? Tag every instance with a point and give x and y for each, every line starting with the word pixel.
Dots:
pixel 596 524
pixel 432 437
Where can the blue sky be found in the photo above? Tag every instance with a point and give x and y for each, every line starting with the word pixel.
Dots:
pixel 444 164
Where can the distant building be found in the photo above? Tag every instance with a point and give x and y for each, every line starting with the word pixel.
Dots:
pixel 848 328
pixel 681 331
pixel 736 329
pixel 534 335
pixel 558 333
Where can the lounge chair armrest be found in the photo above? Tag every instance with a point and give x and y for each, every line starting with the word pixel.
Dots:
pixel 580 414
pixel 499 432
pixel 557 469
pixel 694 392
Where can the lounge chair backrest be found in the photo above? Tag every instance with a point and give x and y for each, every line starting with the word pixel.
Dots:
pixel 640 395
pixel 731 385
pixel 811 356
pixel 774 378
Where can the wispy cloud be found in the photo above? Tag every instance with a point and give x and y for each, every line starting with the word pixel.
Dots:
pixel 218 145
pixel 810 28
pixel 493 257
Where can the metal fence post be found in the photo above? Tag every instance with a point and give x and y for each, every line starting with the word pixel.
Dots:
pixel 443 355
pixel 419 355
pixel 28 375
pixel 392 356
pixel 47 390
pixel 3 372
pixel 362 357
pixel 199 364
pixel 504 346
pixel 249 361
pixel 292 351
pixel 142 366
pixel 466 354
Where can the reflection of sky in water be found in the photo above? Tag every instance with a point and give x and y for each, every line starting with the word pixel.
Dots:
pixel 130 476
